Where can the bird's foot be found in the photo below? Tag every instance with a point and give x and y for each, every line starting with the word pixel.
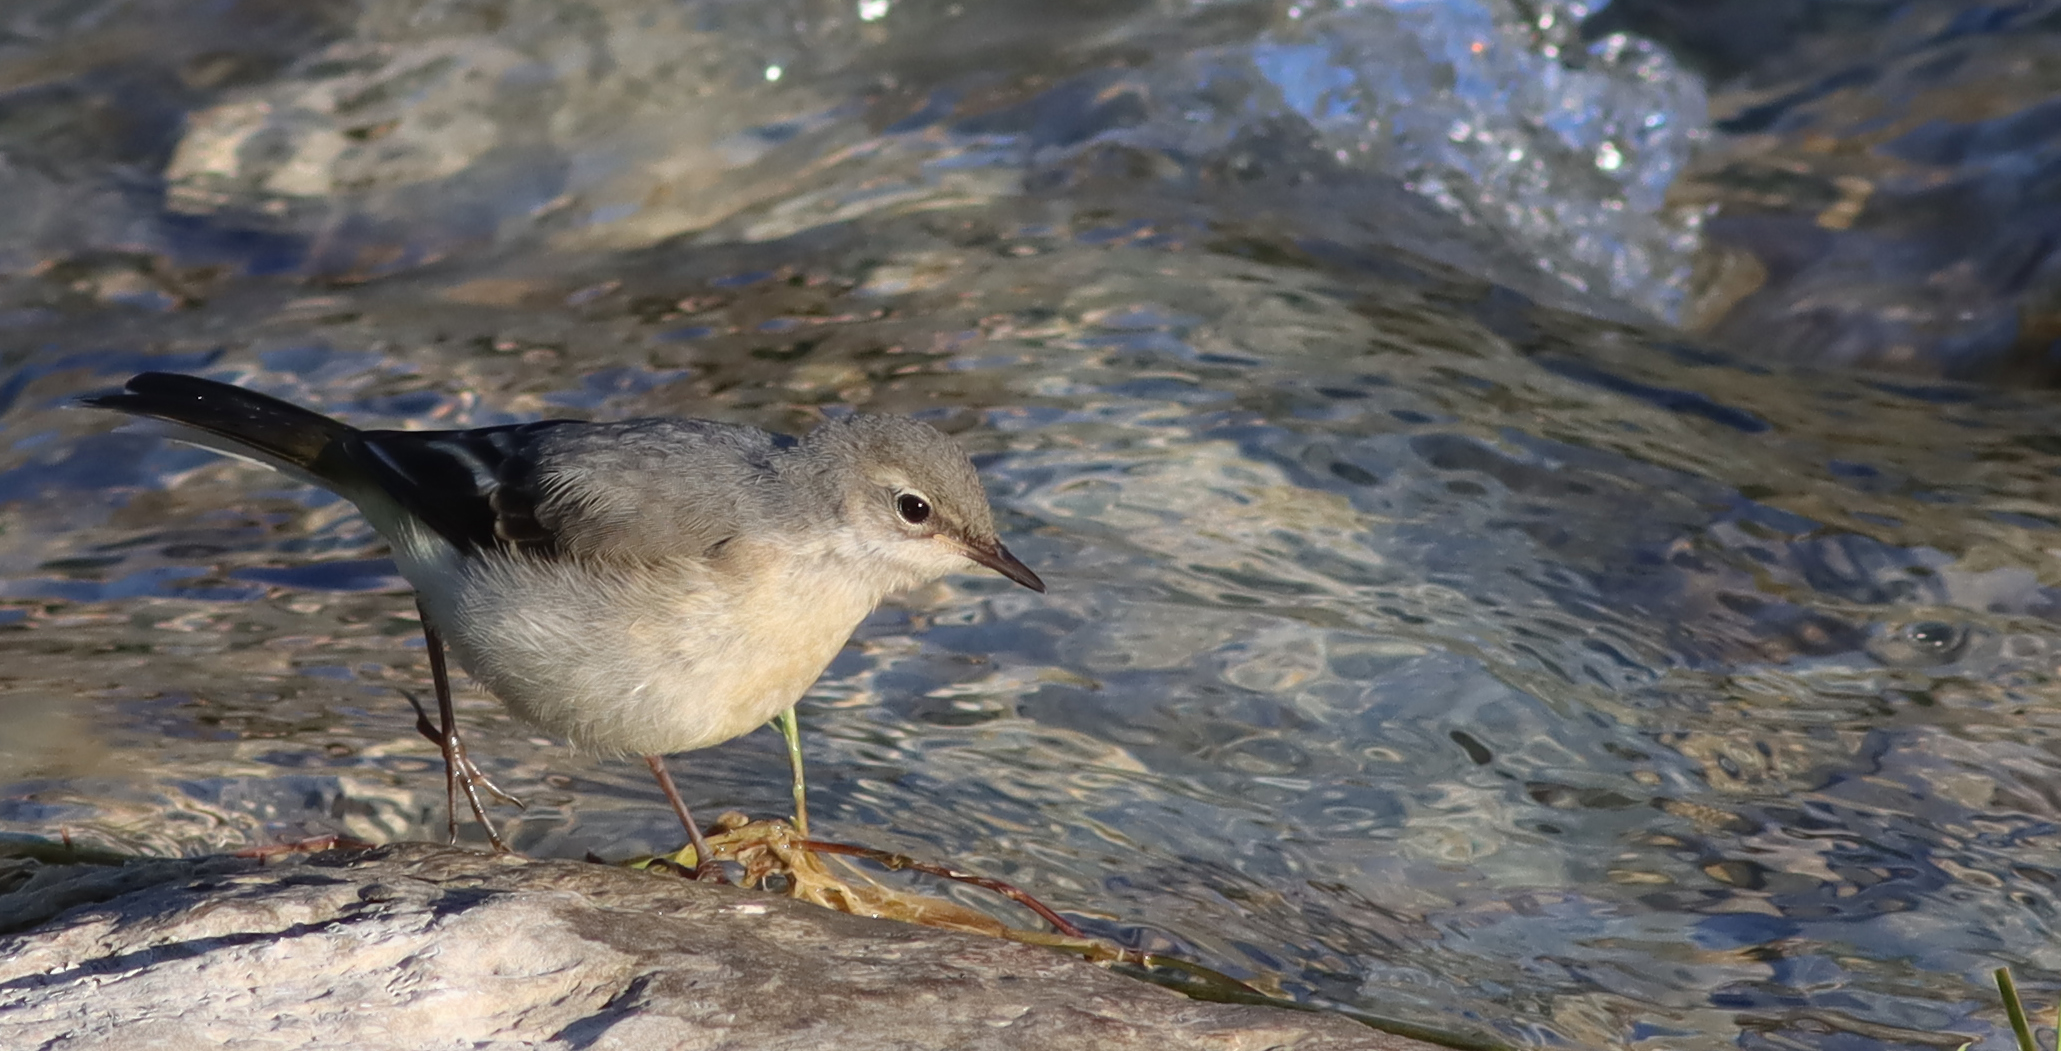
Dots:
pixel 467 769
pixel 461 774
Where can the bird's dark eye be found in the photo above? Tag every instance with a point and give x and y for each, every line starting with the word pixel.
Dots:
pixel 914 509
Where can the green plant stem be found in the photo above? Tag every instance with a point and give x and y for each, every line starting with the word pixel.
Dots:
pixel 2016 1009
pixel 790 728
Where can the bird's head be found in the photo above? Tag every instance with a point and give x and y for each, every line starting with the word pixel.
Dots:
pixel 910 500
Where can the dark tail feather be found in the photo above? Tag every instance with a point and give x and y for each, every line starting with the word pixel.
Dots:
pixel 264 425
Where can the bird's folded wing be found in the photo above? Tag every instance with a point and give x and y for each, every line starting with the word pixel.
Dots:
pixel 637 490
pixel 475 487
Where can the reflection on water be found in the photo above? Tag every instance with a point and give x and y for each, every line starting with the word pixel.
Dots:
pixel 1411 644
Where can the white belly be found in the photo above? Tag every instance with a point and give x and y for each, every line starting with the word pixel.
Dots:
pixel 673 658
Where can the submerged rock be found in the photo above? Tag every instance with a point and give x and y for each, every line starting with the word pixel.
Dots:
pixel 420 947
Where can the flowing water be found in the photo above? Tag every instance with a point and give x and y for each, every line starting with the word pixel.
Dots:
pixel 1432 630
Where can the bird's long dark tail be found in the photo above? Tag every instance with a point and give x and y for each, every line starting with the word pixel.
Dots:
pixel 236 421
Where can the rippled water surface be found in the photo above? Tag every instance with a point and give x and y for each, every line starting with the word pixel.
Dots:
pixel 1431 631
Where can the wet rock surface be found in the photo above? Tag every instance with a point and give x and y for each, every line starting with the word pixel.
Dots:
pixel 419 947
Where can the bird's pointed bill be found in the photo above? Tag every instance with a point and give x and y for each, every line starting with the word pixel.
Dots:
pixel 998 558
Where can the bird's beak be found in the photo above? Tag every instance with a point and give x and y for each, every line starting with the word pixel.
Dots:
pixel 996 557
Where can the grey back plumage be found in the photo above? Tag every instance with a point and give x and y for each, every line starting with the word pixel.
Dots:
pixel 654 488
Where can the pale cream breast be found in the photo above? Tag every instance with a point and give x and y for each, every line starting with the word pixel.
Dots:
pixel 786 629
pixel 667 657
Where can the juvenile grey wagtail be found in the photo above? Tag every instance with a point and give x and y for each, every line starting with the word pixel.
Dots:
pixel 639 588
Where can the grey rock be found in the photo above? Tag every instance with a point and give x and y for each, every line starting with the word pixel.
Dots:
pixel 422 947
